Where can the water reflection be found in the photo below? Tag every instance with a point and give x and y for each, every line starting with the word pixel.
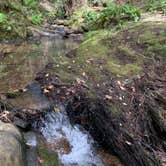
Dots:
pixel 20 66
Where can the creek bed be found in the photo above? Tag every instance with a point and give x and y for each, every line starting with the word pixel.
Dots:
pixel 71 144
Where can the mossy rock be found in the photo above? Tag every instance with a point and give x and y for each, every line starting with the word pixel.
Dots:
pixel 48 157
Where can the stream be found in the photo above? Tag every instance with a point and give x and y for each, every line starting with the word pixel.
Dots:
pixel 74 146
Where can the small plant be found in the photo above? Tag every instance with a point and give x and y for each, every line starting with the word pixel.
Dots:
pixel 3 18
pixel 36 19
pixel 4 23
pixel 30 3
pixel 111 15
pixel 90 19
pixel 60 13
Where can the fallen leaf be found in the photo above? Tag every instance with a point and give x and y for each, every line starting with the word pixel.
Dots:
pixel 57 109
pixel 108 97
pixel 79 81
pixel 47 75
pixel 46 91
pixel 128 143
pixel 84 74
pixel 50 87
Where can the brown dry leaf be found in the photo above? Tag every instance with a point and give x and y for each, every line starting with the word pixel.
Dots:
pixel 121 85
pixel 89 60
pixel 50 87
pixel 24 89
pixel 84 74
pixel 40 160
pixel 133 89
pixel 46 91
pixel 128 143
pixel 79 81
pixel 47 75
pixel 108 97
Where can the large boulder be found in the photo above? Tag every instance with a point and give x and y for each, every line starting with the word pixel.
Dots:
pixel 10 146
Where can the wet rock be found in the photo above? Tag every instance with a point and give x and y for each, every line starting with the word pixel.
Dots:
pixel 61 22
pixel 37 32
pixel 45 155
pixel 77 30
pixel 31 151
pixel 69 31
pixel 60 28
pixel 46 25
pixel 104 127
pixel 21 123
pixel 76 36
pixel 11 153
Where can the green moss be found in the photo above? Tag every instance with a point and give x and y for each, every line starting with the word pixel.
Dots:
pixel 104 55
pixel 48 157
pixel 158 49
pixel 126 51
pixel 123 70
pixel 115 110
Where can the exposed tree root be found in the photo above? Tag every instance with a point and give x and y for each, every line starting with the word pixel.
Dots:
pixel 137 134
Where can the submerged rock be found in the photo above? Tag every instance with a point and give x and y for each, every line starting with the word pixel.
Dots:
pixel 11 149
pixel 45 155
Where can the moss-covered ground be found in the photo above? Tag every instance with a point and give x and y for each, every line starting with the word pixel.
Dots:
pixel 122 54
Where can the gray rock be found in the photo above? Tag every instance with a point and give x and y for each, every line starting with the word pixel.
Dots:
pixel 31 151
pixel 11 153
pixel 60 28
pixel 76 36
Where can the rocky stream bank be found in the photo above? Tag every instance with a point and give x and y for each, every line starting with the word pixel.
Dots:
pixel 112 84
pixel 116 92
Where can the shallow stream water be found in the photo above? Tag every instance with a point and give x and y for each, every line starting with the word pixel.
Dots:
pixel 22 60
pixel 18 68
pixel 74 145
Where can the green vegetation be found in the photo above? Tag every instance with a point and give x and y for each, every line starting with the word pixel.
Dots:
pixel 106 17
pixel 118 54
pixel 36 19
pixel 16 16
pixel 153 6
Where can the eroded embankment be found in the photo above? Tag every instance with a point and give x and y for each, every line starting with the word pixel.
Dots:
pixel 114 86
